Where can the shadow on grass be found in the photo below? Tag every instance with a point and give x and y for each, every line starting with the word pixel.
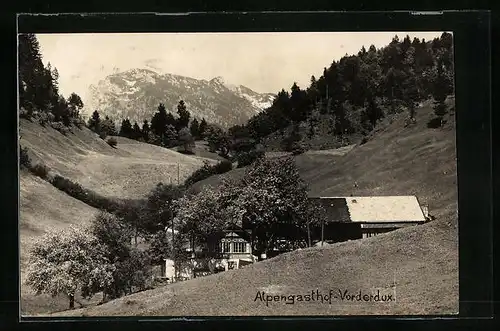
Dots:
pixel 436 123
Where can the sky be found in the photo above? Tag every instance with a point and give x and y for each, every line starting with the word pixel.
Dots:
pixel 264 62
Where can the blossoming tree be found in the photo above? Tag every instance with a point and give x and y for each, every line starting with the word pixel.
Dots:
pixel 61 262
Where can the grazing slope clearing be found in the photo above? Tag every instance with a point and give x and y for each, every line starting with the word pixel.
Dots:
pixel 418 264
pixel 130 170
pixel 201 149
pixel 397 161
pixel 44 207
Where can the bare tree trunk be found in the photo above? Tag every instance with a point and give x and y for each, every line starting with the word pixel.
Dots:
pixel 322 232
pixel 308 235
pixel 71 301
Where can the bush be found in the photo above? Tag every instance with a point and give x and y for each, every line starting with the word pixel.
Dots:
pixel 23 113
pixel 103 135
pixel 78 122
pixel 435 123
pixel 182 150
pixel 209 170
pixel 410 121
pixel 112 142
pixel 44 118
pixel 245 159
pixel 186 141
pixel 40 170
pixel 24 158
pixel 298 149
pixel 59 126
pixel 154 139
pixel 90 197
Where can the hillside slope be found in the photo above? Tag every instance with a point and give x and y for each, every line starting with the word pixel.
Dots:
pixel 396 160
pixel 44 207
pixel 130 170
pixel 418 265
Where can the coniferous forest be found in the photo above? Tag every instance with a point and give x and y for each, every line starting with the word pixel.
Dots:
pixel 357 91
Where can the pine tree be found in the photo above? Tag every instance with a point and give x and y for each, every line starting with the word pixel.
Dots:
pixel 76 104
pixel 195 129
pixel 171 120
pixel 63 111
pixel 31 72
pixel 51 92
pixel 170 137
pixel 440 92
pixel 183 120
pixel 136 131
pixel 145 130
pixel 203 128
pixel 108 127
pixel 292 140
pixel 313 92
pixel 94 123
pixel 373 111
pixel 159 121
pixel 126 129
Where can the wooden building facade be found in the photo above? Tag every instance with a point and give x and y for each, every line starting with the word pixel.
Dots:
pixel 351 218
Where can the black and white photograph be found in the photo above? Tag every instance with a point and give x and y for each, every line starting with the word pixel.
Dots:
pixel 237 174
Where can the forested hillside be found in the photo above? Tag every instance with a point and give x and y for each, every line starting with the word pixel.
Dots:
pixel 355 93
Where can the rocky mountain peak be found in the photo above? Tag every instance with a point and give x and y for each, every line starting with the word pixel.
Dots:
pixel 136 94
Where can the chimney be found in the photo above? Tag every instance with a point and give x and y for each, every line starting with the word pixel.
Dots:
pixel 425 210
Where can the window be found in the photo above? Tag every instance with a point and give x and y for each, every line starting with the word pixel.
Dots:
pixel 240 247
pixel 226 247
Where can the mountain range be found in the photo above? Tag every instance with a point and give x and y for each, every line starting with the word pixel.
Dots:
pixel 136 94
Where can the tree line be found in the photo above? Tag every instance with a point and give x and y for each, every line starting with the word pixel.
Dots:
pixel 164 129
pixel 357 91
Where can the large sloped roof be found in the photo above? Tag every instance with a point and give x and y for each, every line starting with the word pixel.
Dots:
pixel 382 209
pixel 335 209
